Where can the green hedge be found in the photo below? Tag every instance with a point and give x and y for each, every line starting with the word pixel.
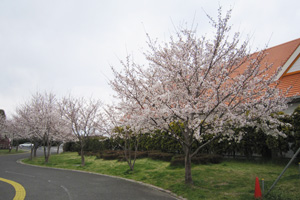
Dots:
pixel 160 156
pixel 174 160
pixel 119 155
pixel 198 159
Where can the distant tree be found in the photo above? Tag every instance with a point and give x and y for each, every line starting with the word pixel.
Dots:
pixel 15 130
pixel 42 122
pixel 45 111
pixel 126 137
pixel 209 87
pixel 129 142
pixel 2 121
pixel 84 117
pixel 3 130
pixel 26 120
pixel 62 130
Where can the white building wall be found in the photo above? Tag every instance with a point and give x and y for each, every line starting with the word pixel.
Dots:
pixel 295 67
pixel 292 107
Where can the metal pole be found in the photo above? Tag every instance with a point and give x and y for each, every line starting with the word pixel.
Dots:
pixel 292 159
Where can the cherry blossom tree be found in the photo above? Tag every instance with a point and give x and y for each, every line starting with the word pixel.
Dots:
pixel 3 130
pixel 84 117
pixel 15 130
pixel 2 121
pixel 41 120
pixel 63 132
pixel 45 112
pixel 200 86
pixel 25 118
pixel 116 126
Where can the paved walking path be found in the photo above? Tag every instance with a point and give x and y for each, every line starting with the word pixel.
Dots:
pixel 48 184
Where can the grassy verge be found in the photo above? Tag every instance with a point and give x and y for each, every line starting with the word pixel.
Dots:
pixel 227 180
pixel 13 151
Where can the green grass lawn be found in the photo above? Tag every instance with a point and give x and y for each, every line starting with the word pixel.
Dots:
pixel 13 151
pixel 227 180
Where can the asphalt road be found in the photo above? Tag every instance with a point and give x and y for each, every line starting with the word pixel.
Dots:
pixel 49 184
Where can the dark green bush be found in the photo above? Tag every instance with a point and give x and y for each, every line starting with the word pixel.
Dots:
pixel 90 153
pixel 160 156
pixel 109 155
pixel 141 154
pixel 198 159
pixel 177 160
pixel 207 158
pixel 93 145
pixel 119 155
pixel 71 146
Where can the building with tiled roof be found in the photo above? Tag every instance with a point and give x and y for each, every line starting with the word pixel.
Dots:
pixel 287 55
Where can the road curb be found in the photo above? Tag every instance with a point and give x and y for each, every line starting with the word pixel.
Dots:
pixel 111 176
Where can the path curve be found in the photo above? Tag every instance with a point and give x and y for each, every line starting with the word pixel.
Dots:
pixel 19 189
pixel 47 184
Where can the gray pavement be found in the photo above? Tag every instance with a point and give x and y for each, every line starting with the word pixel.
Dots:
pixel 49 184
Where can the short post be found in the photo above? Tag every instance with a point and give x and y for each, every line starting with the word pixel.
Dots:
pixel 263 186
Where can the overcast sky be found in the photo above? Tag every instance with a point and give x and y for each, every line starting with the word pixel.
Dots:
pixel 68 47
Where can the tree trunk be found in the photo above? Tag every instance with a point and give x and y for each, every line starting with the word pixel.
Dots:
pixel 34 151
pixel 45 152
pixel 82 157
pixel 127 154
pixel 36 146
pixel 57 149
pixel 188 167
pixel 48 153
pixel 31 152
pixel 46 159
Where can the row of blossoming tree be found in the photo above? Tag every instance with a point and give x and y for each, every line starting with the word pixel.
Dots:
pixel 50 120
pixel 200 87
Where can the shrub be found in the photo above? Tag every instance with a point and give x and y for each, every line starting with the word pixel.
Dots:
pixel 90 153
pixel 93 144
pixel 71 146
pixel 119 155
pixel 177 160
pixel 141 154
pixel 109 155
pixel 207 158
pixel 160 156
pixel 198 159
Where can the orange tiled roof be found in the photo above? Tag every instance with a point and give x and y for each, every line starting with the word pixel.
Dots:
pixel 292 81
pixel 278 56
